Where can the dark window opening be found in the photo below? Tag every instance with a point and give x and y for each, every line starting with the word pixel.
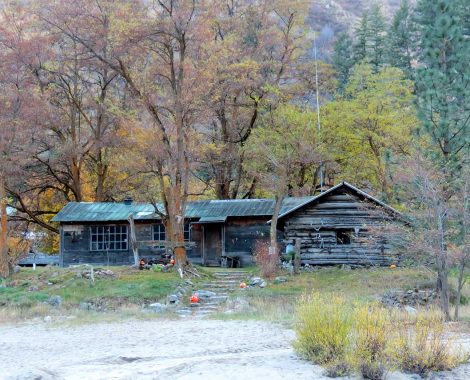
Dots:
pixel 343 236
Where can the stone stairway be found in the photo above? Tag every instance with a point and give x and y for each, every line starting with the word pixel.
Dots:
pixel 214 293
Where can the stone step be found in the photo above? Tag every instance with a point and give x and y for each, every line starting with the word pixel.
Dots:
pixel 234 274
pixel 212 285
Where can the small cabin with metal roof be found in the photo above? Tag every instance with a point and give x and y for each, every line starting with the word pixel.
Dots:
pixel 215 231
pixel 335 227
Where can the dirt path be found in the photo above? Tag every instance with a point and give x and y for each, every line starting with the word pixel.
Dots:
pixel 160 349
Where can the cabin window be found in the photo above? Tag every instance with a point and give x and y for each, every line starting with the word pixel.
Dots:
pixel 159 234
pixel 187 232
pixel 108 237
pixel 343 236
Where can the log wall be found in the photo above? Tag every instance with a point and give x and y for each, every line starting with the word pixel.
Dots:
pixel 317 226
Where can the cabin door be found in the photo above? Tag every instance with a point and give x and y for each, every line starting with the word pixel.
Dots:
pixel 212 249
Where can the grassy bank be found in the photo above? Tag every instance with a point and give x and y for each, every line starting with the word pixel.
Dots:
pixel 277 302
pixel 27 292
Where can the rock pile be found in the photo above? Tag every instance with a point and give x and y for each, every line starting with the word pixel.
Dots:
pixel 415 297
pixel 86 273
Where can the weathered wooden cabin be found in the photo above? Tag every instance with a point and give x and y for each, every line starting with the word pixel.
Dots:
pixel 216 231
pixel 343 225
pixel 334 227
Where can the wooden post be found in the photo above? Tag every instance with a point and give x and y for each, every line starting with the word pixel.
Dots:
pixel 133 239
pixel 297 257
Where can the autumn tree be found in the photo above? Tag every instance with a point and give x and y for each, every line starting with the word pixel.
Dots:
pixel 372 121
pixel 437 234
pixel 282 149
pixel 158 58
pixel 250 59
pixel 16 135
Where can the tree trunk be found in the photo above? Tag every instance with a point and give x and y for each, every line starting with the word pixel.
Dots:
pixel 273 232
pixel 442 272
pixel 460 284
pixel 4 262
pixel 135 249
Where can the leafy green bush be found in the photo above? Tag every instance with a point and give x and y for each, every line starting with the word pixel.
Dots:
pixel 324 328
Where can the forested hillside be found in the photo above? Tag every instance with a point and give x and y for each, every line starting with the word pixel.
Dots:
pixel 170 101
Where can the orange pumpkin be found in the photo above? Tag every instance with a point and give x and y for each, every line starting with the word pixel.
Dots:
pixel 243 285
pixel 393 266
pixel 194 298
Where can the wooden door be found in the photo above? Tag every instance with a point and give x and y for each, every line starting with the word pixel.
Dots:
pixel 212 244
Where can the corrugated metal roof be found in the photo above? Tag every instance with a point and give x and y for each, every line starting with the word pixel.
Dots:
pixel 108 211
pixel 345 184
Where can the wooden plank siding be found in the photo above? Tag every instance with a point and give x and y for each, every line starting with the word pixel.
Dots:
pixel 318 224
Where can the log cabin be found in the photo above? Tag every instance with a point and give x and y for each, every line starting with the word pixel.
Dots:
pixel 333 227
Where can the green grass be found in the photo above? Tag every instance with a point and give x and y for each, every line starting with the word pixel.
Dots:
pixel 277 302
pixel 129 286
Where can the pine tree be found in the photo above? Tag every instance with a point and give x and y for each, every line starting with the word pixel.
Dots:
pixel 376 38
pixel 400 44
pixel 361 34
pixel 443 77
pixel 343 59
pixel 369 38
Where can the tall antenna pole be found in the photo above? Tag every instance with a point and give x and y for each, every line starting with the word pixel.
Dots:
pixel 318 103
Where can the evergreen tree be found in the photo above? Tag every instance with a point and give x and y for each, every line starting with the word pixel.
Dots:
pixel 376 38
pixel 443 77
pixel 361 34
pixel 369 46
pixel 343 59
pixel 400 44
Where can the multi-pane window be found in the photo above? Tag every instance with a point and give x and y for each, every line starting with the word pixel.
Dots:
pixel 159 234
pixel 108 237
pixel 187 232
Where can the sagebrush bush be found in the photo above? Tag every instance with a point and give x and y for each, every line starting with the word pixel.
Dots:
pixel 420 343
pixel 323 328
pixel 338 369
pixel 371 339
pixel 371 331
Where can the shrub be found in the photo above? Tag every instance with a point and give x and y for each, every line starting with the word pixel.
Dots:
pixel 338 369
pixel 268 263
pixel 371 339
pixel 323 328
pixel 371 325
pixel 421 344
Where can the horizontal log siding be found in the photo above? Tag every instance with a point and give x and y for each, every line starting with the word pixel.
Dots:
pixel 316 225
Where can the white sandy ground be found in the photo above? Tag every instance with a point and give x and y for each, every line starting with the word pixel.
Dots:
pixel 160 349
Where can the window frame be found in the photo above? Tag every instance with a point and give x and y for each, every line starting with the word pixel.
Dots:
pixel 187 232
pixel 161 232
pixel 107 237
